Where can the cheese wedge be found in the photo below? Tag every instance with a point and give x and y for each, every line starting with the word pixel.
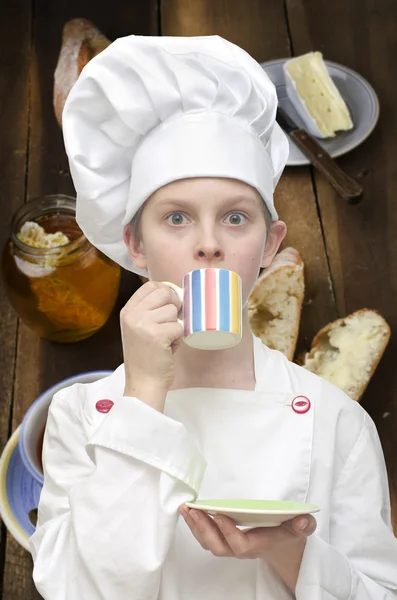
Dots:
pixel 315 97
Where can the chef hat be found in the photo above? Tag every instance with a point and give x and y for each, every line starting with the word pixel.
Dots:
pixel 151 110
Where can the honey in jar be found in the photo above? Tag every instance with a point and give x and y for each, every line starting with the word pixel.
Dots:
pixel 60 285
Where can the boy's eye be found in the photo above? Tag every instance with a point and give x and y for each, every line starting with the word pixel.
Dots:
pixel 236 218
pixel 176 218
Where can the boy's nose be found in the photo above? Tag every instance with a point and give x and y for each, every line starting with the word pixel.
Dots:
pixel 209 254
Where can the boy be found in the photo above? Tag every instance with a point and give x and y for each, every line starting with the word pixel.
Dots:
pixel 175 154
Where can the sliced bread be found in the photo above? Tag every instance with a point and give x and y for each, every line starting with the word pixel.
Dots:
pixel 346 352
pixel 275 303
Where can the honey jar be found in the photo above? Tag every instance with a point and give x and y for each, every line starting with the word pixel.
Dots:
pixel 66 290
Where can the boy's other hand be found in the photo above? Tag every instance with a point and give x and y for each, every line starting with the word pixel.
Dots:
pixel 282 547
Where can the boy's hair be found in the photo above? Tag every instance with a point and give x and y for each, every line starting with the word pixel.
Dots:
pixel 136 222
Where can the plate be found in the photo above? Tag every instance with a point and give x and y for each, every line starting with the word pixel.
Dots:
pixel 359 96
pixel 19 493
pixel 255 513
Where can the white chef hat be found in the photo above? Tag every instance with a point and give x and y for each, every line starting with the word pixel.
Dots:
pixel 151 110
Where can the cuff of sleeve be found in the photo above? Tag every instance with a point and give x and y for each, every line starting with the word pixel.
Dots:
pixel 136 429
pixel 324 574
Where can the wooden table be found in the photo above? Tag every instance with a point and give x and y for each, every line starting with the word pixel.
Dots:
pixel 350 252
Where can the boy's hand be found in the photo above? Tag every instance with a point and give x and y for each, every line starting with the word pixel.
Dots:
pixel 150 335
pixel 282 547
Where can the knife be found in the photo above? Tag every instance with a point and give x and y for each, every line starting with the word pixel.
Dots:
pixel 347 187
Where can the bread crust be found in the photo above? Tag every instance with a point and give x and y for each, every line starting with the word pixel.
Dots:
pixel 81 41
pixel 289 257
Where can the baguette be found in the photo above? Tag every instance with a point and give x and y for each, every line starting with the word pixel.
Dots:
pixel 81 41
pixel 275 303
pixel 346 352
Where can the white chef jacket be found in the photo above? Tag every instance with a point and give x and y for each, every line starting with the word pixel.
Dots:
pixel 108 523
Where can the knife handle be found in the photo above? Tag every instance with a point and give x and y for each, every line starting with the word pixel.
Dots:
pixel 347 187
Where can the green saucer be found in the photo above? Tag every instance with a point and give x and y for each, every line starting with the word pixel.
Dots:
pixel 254 513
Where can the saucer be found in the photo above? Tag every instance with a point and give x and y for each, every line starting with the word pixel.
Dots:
pixel 254 513
pixel 359 96
pixel 19 493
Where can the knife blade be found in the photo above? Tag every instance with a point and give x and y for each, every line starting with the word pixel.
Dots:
pixel 346 186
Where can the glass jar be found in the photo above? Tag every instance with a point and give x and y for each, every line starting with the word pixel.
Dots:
pixel 65 293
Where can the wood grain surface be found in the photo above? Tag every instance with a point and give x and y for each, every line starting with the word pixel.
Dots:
pixel 361 240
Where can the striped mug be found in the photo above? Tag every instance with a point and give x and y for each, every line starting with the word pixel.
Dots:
pixel 211 312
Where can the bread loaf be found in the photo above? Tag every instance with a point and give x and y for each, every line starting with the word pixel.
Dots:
pixel 347 351
pixel 275 304
pixel 81 41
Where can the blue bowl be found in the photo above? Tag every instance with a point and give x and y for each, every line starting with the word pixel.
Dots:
pixel 33 424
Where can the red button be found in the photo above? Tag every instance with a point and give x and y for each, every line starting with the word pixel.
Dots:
pixel 104 406
pixel 301 404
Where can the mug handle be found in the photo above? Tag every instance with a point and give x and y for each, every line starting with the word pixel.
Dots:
pixel 179 291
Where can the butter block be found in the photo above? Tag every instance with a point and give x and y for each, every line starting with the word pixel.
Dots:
pixel 315 97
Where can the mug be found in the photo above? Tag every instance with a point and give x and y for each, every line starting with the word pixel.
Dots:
pixel 211 314
pixel 31 435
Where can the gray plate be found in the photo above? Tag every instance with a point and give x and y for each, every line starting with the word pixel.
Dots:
pixel 359 96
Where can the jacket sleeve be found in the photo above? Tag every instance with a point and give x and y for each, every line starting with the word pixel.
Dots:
pixel 360 562
pixel 109 505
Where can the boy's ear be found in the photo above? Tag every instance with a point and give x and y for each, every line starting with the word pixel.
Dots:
pixel 278 231
pixel 135 248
